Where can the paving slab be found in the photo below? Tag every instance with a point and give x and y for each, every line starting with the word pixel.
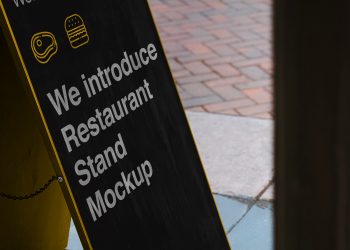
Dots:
pixel 255 231
pixel 236 152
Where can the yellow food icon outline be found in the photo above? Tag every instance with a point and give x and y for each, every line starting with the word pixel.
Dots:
pixel 44 46
pixel 76 31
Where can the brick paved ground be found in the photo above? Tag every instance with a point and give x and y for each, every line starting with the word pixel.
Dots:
pixel 220 53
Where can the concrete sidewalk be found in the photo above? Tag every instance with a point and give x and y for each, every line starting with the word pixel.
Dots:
pixel 236 153
pixel 237 157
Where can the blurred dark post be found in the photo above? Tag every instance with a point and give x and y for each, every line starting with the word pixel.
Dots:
pixel 312 100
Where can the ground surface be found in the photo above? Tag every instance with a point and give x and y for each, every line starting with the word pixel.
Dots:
pixel 220 55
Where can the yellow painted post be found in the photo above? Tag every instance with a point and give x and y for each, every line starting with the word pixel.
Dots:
pixel 41 222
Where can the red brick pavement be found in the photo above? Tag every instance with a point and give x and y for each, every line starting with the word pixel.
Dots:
pixel 220 53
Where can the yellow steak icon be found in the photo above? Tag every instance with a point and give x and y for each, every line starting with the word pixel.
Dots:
pixel 76 31
pixel 44 46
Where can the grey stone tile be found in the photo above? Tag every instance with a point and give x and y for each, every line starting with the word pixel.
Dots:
pixel 255 231
pixel 236 152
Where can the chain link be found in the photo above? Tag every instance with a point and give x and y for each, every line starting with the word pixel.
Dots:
pixel 32 195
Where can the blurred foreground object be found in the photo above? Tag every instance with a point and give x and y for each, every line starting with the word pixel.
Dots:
pixel 43 221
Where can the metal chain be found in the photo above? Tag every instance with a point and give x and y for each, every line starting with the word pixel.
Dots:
pixel 32 195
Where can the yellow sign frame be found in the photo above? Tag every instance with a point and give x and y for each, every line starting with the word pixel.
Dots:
pixel 37 110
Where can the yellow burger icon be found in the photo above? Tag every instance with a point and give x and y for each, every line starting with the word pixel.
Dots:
pixel 44 46
pixel 76 31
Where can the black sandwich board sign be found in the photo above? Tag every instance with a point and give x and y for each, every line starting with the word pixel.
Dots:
pixel 113 122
